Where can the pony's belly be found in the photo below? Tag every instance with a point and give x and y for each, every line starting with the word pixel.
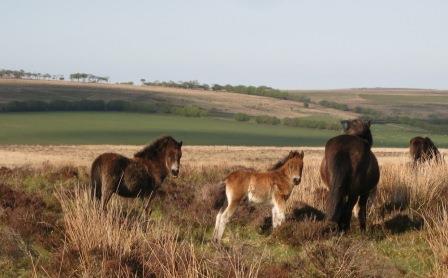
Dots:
pixel 257 198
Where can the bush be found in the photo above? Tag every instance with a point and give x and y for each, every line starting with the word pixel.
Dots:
pixel 191 111
pixel 142 107
pixel 241 117
pixel 310 123
pixel 118 105
pixel 270 120
pixel 334 105
pixel 26 106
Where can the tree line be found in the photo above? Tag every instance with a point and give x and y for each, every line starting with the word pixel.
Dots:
pixel 88 77
pixel 77 76
pixel 21 74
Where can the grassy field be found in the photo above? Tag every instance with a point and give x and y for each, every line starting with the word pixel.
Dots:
pixel 49 227
pixel 134 128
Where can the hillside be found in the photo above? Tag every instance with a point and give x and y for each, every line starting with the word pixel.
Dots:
pixel 221 102
pixel 415 103
pixel 206 117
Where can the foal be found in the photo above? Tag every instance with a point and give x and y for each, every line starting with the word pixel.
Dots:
pixel 274 185
pixel 134 177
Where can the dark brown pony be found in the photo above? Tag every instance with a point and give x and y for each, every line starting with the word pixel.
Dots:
pixel 351 172
pixel 423 150
pixel 134 177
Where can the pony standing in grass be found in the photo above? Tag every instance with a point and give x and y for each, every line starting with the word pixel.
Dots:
pixel 424 150
pixel 274 185
pixel 351 172
pixel 134 177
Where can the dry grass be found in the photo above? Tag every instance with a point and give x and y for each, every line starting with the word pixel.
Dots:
pixel 407 225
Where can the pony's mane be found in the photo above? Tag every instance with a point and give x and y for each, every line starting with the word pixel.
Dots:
pixel 282 161
pixel 155 147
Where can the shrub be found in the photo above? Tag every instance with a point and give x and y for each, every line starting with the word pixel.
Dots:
pixel 270 120
pixel 310 123
pixel 190 111
pixel 118 105
pixel 241 117
pixel 334 105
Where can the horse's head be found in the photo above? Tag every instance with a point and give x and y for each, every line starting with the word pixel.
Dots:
pixel 294 166
pixel 358 127
pixel 173 154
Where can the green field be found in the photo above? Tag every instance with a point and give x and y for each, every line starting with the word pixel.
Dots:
pixel 136 128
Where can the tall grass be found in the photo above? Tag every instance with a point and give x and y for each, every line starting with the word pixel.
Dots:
pixel 409 208
pixel 124 241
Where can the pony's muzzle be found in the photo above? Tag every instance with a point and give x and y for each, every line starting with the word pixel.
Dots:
pixel 175 172
pixel 296 180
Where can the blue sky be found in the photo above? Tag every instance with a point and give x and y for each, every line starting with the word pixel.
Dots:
pixel 285 44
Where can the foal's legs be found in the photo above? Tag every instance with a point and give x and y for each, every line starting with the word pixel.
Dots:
pixel 223 218
pixel 278 210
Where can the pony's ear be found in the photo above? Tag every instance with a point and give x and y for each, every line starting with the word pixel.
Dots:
pixel 301 154
pixel 368 122
pixel 180 144
pixel 345 125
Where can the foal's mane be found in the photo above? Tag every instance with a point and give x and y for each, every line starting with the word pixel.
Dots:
pixel 282 161
pixel 156 147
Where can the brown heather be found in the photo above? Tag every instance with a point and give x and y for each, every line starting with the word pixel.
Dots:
pixel 406 228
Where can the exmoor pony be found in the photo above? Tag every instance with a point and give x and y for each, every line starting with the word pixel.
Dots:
pixel 351 172
pixel 274 185
pixel 134 177
pixel 424 150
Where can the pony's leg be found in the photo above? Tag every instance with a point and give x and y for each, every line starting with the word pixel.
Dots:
pixel 356 210
pixel 278 211
pixel 217 223
pixel 149 200
pixel 362 211
pixel 346 216
pixel 224 219
pixel 274 216
pixel 105 198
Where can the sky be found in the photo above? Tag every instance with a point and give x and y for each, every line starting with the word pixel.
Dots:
pixel 284 44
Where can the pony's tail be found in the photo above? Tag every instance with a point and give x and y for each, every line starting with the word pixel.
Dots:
pixel 220 201
pixel 339 170
pixel 95 180
pixel 434 150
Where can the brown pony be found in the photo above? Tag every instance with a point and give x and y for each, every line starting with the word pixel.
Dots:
pixel 274 185
pixel 134 177
pixel 423 150
pixel 351 172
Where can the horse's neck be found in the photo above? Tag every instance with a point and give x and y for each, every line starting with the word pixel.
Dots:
pixel 156 167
